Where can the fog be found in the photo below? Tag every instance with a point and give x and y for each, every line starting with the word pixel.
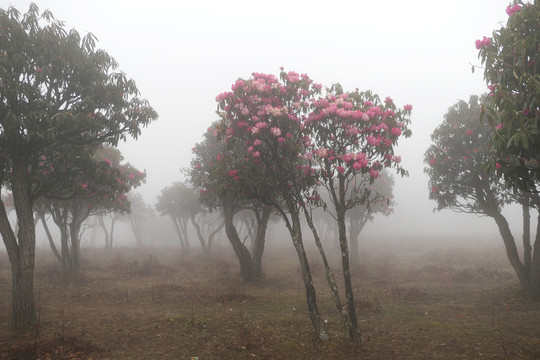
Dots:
pixel 182 54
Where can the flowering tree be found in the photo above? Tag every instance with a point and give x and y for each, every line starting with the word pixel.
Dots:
pixel 459 181
pixel 98 192
pixel 221 187
pixel 59 95
pixel 262 120
pixel 352 138
pixel 512 73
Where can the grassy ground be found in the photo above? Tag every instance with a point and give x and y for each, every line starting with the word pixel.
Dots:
pixel 430 304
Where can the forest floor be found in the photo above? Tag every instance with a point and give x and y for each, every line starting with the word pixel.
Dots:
pixel 440 303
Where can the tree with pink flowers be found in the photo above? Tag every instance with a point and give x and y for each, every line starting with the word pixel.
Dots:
pixel 103 190
pixel 512 74
pixel 288 139
pixel 352 138
pixel 262 119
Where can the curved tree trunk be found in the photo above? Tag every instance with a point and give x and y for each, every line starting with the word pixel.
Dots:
pixel 511 249
pixel 241 251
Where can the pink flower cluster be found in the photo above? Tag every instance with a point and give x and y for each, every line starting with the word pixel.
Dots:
pixel 485 42
pixel 511 10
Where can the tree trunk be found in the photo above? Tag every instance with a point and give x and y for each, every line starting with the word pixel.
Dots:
pixel 511 249
pixel 527 249
pixel 329 275
pixel 200 236
pixel 534 286
pixel 241 251
pixel 108 244
pixel 21 250
pixel 260 239
pixel 178 233
pixel 50 238
pixel 354 332
pixel 311 295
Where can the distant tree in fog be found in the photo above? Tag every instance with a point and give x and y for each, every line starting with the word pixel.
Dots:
pixel 512 73
pixel 176 202
pixel 460 181
pixel 139 212
pixel 379 200
pixel 181 203
pixel 220 187
pixel 60 95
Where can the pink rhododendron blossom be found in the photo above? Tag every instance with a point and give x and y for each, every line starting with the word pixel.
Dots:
pixel 469 132
pixel 238 85
pixel 275 131
pixel 373 141
pixel 219 157
pixel 242 124
pixel 485 42
pixel 340 169
pixel 395 131
pixel 432 161
pixel 511 10
pixel 233 173
pixel 256 154
pixel 499 127
pixel 108 161
pixel 374 173
pixel 281 140
pixel 365 117
pixel 261 125
pixel 257 142
pixel 357 166
pixel 250 149
pixel 353 130
pixel 388 100
pixel 407 107
pixel 348 157
pixel 434 189
pixel 397 159
pixel 131 176
pixel 497 165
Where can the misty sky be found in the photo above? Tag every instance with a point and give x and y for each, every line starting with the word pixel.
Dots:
pixel 182 54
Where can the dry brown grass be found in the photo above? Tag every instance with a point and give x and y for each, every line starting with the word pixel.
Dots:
pixel 159 304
